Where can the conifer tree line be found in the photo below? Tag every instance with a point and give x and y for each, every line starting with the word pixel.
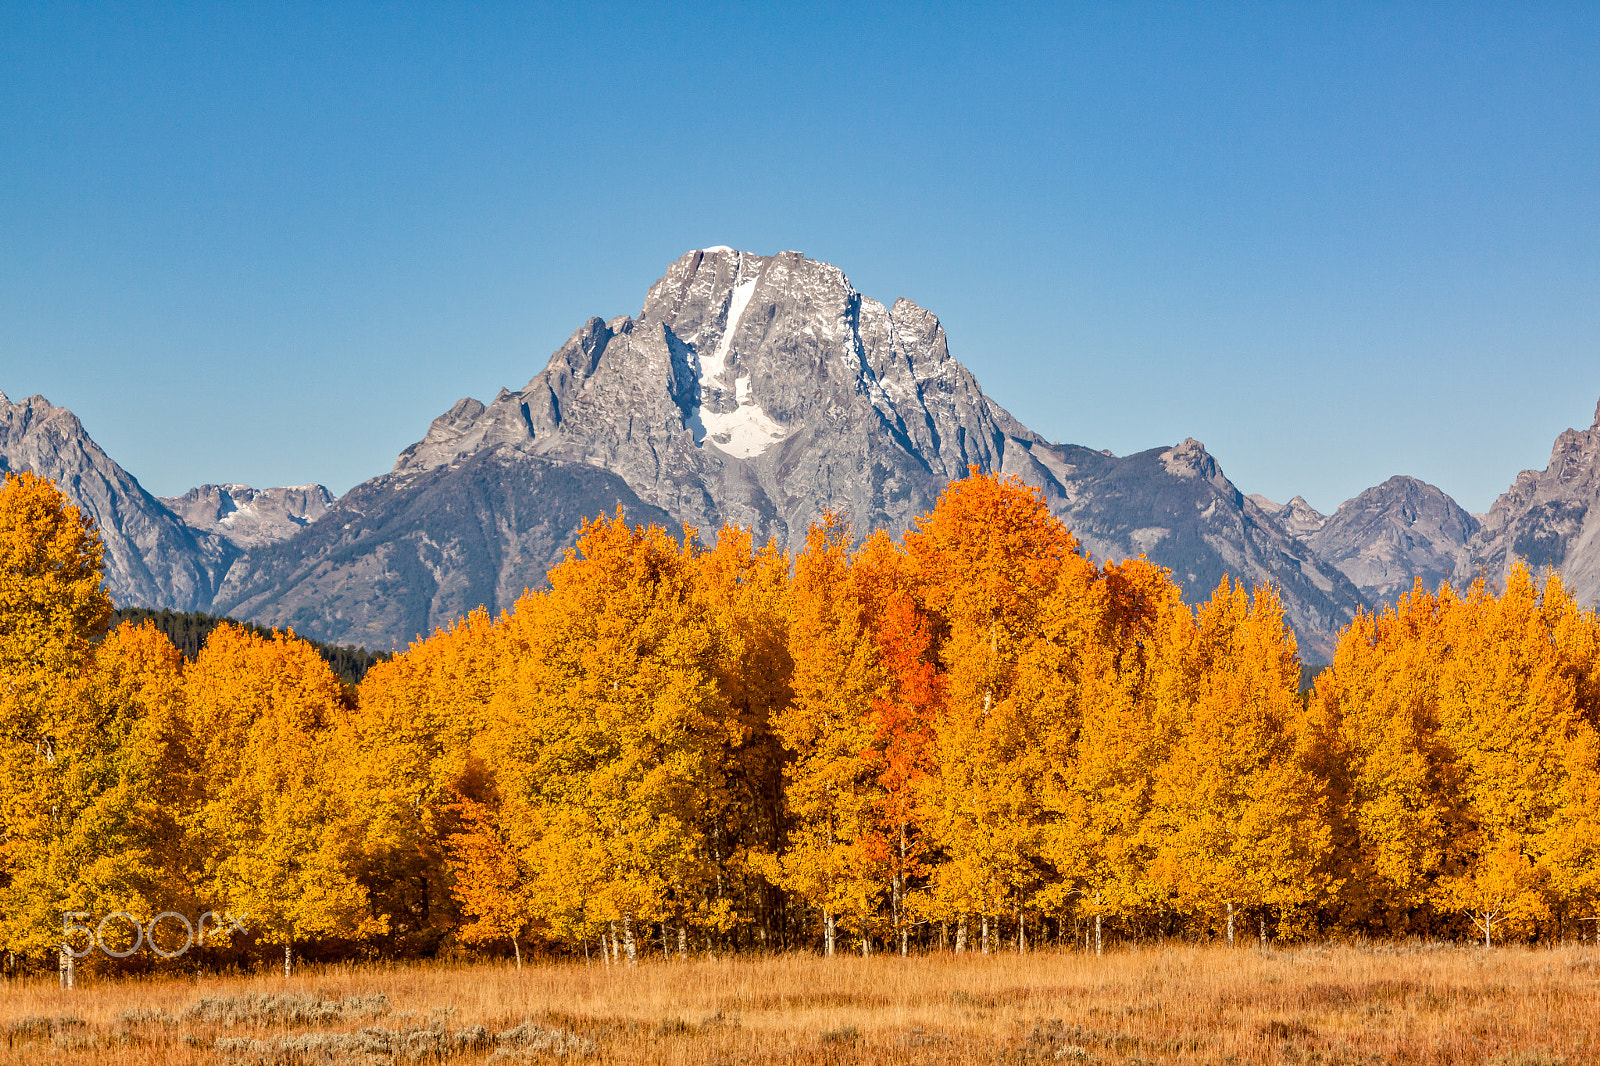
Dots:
pixel 969 738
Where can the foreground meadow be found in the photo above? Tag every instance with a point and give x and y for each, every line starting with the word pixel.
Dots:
pixel 1188 1004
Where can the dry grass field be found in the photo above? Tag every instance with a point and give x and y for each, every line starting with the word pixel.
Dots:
pixel 1174 1004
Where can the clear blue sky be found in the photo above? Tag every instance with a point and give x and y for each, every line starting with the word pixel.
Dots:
pixel 268 243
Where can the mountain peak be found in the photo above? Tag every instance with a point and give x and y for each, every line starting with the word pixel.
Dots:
pixel 248 517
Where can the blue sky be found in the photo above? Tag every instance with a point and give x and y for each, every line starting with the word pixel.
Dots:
pixel 268 243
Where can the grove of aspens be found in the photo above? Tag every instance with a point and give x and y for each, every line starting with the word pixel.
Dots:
pixel 967 738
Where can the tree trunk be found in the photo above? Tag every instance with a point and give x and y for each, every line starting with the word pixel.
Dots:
pixel 683 943
pixel 829 933
pixel 866 945
pixel 288 958
pixel 616 949
pixel 1022 933
pixel 517 950
pixel 69 968
pixel 961 935
pixel 1261 919
pixel 628 945
pixel 1099 940
pixel 1230 923
pixel 985 934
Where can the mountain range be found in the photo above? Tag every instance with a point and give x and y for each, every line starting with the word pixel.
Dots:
pixel 763 391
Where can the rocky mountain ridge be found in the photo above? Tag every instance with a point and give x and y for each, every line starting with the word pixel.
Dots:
pixel 247 517
pixel 1547 517
pixel 763 391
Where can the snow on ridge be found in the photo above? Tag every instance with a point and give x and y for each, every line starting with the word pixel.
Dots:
pixel 717 248
pixel 747 430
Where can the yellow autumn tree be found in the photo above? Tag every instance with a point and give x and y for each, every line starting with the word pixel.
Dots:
pixel 1239 820
pixel 274 824
pixel 1100 799
pixel 829 792
pixel 984 563
pixel 612 741
pixel 52 607
pixel 406 747
pixel 745 595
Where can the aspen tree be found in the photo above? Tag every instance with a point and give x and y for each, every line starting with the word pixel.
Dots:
pixel 614 736
pixel 489 879
pixel 1392 773
pixel 407 746
pixel 983 563
pixel 274 824
pixel 52 605
pixel 1239 819
pixel 1098 839
pixel 829 861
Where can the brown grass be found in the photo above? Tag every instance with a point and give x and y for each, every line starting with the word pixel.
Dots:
pixel 1176 1004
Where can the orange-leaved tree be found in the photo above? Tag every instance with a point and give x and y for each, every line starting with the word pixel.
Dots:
pixel 984 564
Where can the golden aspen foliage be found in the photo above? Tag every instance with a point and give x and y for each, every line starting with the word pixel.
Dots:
pixel 745 595
pixel 1393 776
pixel 985 562
pixel 1466 760
pixel 490 881
pixel 1239 819
pixel 829 792
pixel 1508 707
pixel 116 782
pixel 1100 798
pixel 275 827
pixel 52 606
pixel 612 739
pixel 406 747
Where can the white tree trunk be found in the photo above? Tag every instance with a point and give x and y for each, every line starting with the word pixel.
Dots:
pixel 628 945
pixel 616 949
pixel 829 933
pixel 1099 940
pixel 1022 933
pixel 683 943
pixel 69 968
pixel 985 934
pixel 288 958
pixel 961 935
pixel 1230 923
pixel 1262 920
pixel 517 950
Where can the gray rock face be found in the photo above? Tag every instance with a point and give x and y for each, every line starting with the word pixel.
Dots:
pixel 1389 536
pixel 1548 517
pixel 1175 507
pixel 1297 517
pixel 247 517
pixel 760 390
pixel 402 554
pixel 151 558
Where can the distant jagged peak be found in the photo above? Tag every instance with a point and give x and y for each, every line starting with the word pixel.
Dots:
pixel 736 356
pixel 1297 516
pixel 4 399
pixel 246 516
